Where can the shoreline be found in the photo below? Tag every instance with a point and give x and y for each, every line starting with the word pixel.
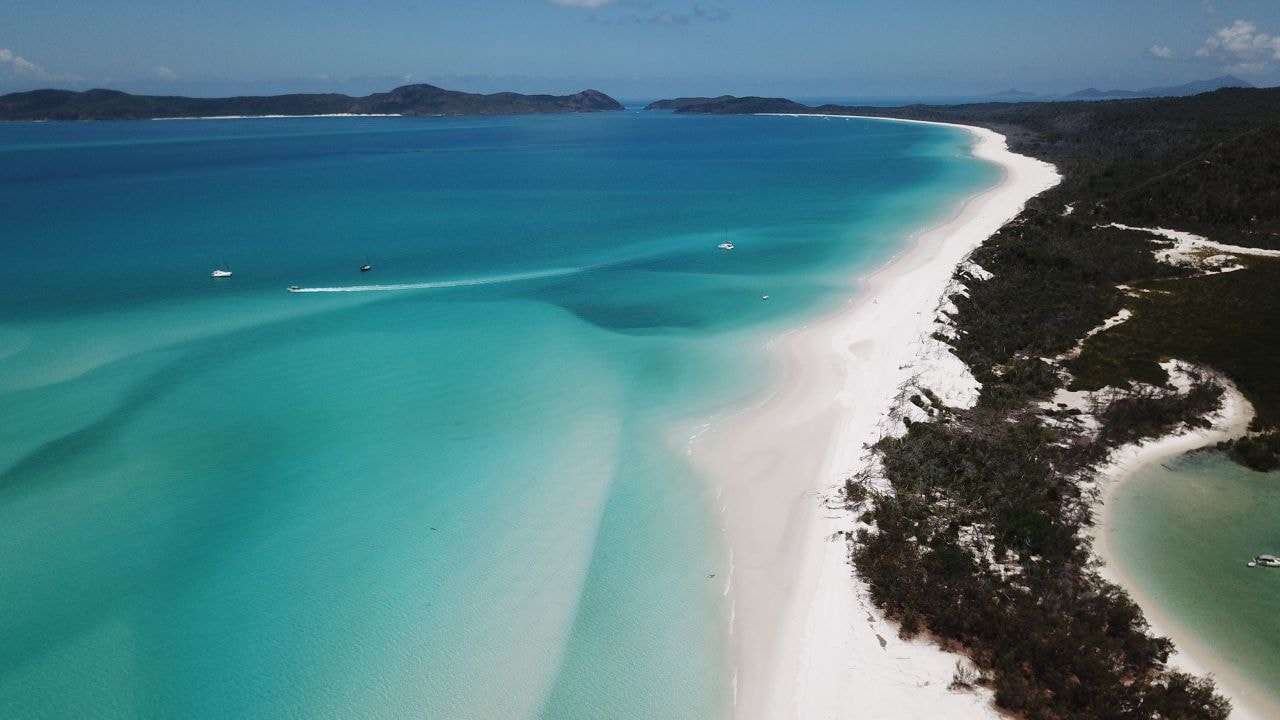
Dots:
pixel 1189 655
pixel 804 638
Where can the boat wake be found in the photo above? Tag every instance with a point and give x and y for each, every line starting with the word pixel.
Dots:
pixel 621 262
pixel 466 282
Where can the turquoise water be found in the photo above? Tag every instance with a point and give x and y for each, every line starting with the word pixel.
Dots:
pixel 467 498
pixel 1184 531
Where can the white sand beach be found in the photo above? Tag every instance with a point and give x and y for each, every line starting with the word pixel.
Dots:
pixel 805 640
pixel 1191 656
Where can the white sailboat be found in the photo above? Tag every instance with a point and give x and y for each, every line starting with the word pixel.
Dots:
pixel 727 245
pixel 221 271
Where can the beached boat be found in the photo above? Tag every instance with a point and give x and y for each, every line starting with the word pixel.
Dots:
pixel 725 246
pixel 1265 561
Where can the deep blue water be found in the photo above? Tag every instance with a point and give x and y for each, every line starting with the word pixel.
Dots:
pixel 468 498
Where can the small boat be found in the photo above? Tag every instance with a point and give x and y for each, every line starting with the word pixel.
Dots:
pixel 764 297
pixel 725 246
pixel 366 267
pixel 294 288
pixel 1264 561
pixel 221 271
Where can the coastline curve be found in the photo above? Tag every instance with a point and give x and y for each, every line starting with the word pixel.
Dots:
pixel 808 643
pixel 1190 655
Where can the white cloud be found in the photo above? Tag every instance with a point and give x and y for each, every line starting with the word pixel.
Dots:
pixel 163 73
pixel 582 3
pixel 1164 52
pixel 710 14
pixel 666 18
pixel 1241 47
pixel 20 66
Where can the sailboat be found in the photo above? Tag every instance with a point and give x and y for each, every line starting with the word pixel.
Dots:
pixel 221 271
pixel 366 267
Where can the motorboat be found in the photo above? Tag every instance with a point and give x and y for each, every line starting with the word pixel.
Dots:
pixel 220 273
pixel 725 246
pixel 1265 561
pixel 294 288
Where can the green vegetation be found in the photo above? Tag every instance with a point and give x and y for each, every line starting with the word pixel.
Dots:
pixel 730 105
pixel 1205 163
pixel 1058 640
pixel 979 541
pixel 1226 321
pixel 405 100
pixel 1258 452
pixel 1054 279
pixel 979 545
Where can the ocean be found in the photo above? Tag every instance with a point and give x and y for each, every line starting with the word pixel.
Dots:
pixel 453 486
pixel 1183 531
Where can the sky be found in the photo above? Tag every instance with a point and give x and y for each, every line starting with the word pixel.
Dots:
pixel 637 49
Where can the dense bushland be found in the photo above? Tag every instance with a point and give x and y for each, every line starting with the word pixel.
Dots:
pixel 981 540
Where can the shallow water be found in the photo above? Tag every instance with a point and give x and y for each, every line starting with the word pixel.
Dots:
pixel 1183 530
pixel 464 494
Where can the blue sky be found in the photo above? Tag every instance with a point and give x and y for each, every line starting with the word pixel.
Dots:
pixel 636 48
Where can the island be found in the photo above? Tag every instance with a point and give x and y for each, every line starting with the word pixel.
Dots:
pixel 420 99
pixel 730 105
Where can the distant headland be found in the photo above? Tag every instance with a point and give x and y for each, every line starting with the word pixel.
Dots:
pixel 406 100
pixel 731 105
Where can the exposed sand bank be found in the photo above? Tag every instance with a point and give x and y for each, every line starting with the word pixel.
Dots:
pixel 805 640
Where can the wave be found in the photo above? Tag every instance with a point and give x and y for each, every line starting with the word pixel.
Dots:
pixel 465 282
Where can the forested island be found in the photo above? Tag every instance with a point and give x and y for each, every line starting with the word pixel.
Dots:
pixel 983 541
pixel 418 99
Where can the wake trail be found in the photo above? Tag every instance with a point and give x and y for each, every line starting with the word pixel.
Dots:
pixel 621 262
pixel 466 282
